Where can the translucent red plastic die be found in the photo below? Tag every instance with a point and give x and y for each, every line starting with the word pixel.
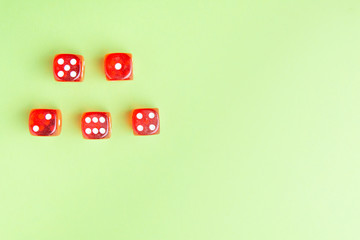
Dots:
pixel 69 68
pixel 118 66
pixel 96 125
pixel 45 122
pixel 146 121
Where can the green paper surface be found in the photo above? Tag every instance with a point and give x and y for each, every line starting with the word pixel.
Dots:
pixel 259 112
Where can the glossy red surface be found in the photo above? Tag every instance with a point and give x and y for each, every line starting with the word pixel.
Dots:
pixel 68 68
pixel 96 125
pixel 45 122
pixel 118 66
pixel 146 121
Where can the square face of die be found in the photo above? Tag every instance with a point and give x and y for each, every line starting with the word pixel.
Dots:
pixel 45 122
pixel 146 121
pixel 96 125
pixel 68 68
pixel 119 66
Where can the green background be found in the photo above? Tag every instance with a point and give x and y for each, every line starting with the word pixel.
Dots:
pixel 259 109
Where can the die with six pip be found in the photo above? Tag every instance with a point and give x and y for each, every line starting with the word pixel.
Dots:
pixel 96 125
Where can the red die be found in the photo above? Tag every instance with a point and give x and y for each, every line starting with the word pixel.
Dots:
pixel 96 125
pixel 118 66
pixel 69 68
pixel 146 121
pixel 45 122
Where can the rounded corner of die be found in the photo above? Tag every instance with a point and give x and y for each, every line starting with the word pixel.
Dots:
pixel 130 56
pixel 130 77
pixel 108 78
pixel 135 133
pixel 32 111
pixel 83 116
pixel 31 132
pixel 81 57
pixel 57 56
